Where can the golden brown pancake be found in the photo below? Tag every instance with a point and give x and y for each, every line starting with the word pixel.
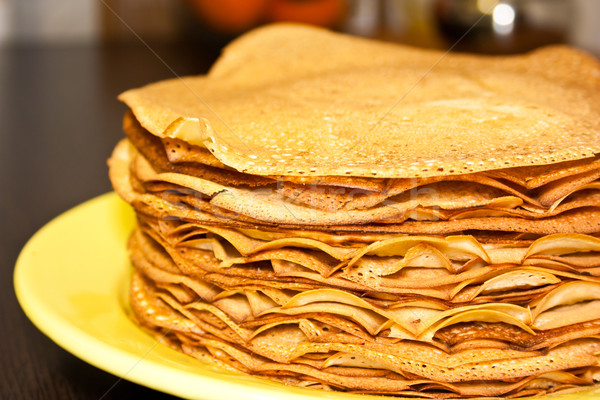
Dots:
pixel 371 218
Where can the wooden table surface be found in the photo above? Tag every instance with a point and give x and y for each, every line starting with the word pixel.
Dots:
pixel 59 119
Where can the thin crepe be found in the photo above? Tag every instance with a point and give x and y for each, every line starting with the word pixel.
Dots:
pixel 472 112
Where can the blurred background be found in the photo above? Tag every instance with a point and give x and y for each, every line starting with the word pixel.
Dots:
pixel 63 62
pixel 505 26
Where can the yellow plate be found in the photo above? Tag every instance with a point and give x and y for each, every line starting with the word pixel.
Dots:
pixel 71 280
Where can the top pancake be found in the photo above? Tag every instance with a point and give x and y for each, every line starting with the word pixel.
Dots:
pixel 292 100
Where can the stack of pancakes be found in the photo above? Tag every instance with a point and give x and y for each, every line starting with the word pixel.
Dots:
pixel 336 213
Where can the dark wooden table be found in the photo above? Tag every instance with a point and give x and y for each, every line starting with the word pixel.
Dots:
pixel 59 119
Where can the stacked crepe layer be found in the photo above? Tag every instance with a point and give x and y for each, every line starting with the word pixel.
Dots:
pixel 536 200
pixel 412 265
pixel 335 305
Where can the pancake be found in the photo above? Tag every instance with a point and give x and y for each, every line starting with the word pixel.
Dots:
pixel 403 222
pixel 242 113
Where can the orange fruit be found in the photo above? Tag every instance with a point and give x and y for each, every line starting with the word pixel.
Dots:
pixel 328 13
pixel 230 16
